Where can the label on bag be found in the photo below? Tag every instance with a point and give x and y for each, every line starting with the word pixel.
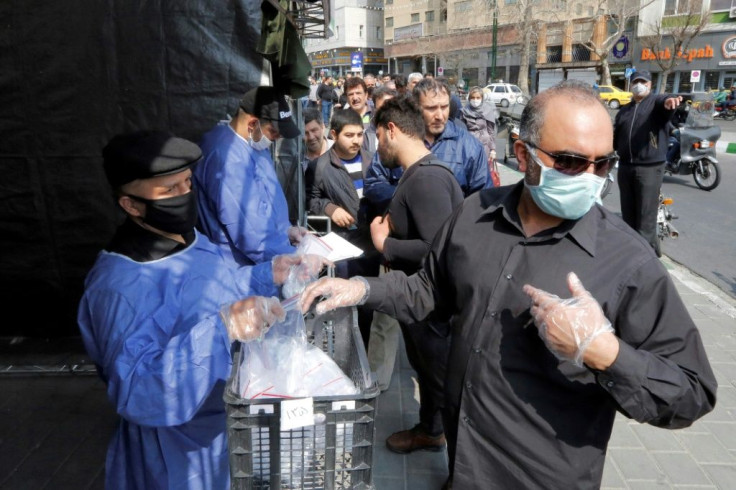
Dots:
pixel 297 413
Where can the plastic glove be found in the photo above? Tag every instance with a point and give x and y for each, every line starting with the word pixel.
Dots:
pixel 296 233
pixel 338 293
pixel 250 318
pixel 282 264
pixel 493 155
pixel 568 326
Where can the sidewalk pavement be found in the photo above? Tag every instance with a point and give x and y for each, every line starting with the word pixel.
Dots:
pixel 54 430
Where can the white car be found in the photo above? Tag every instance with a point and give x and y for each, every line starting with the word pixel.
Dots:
pixel 503 94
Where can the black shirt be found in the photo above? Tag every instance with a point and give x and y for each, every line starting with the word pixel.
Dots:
pixel 424 199
pixel 525 418
pixel 142 245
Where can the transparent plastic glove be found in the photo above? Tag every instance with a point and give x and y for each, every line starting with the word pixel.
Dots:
pixel 299 276
pixel 338 293
pixel 250 318
pixel 493 155
pixel 568 326
pixel 281 265
pixel 296 233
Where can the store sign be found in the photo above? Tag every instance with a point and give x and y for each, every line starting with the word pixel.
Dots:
pixel 729 47
pixel 691 54
pixel 621 48
pixel 356 61
pixel 408 32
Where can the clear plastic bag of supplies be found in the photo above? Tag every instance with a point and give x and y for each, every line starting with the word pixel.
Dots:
pixel 284 365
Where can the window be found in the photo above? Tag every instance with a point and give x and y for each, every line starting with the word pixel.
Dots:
pixel 389 21
pixel 378 32
pixel 389 2
pixel 360 32
pixel 415 17
pixel 676 7
pixel 604 90
pixel 591 11
pixel 463 7
pixel 337 32
pixel 510 2
pixel 429 16
pixel 499 89
pixel 578 9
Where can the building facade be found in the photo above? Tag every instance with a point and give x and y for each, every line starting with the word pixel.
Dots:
pixel 357 41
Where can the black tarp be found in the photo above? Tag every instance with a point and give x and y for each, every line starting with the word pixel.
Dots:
pixel 72 74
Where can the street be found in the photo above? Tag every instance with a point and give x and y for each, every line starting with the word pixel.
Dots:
pixel 706 220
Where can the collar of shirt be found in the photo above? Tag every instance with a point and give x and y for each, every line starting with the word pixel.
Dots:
pixel 142 245
pixel 505 201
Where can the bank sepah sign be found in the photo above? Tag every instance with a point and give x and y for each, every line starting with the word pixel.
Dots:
pixel 729 47
pixel 689 55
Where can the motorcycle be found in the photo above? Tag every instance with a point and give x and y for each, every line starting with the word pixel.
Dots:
pixel 727 114
pixel 697 139
pixel 665 229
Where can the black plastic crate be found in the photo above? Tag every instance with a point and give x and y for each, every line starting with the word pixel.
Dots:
pixel 336 452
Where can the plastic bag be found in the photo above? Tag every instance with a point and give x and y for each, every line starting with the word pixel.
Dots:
pixel 285 365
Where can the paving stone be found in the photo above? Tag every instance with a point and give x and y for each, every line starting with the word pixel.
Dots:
pixel 717 354
pixel 725 432
pixel 647 485
pixel 705 448
pixel 612 478
pixel 681 468
pixel 724 476
pixel 386 483
pixel 623 436
pixel 727 369
pixel 636 464
pixel 719 414
pixel 657 439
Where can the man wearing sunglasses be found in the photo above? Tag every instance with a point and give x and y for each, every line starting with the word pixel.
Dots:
pixel 640 137
pixel 534 381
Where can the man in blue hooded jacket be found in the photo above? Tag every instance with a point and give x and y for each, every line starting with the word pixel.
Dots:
pixel 160 309
pixel 451 144
pixel 242 207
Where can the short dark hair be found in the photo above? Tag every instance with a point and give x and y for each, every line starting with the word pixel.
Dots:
pixel 400 81
pixel 344 117
pixel 383 91
pixel 353 82
pixel 426 85
pixel 312 114
pixel 405 113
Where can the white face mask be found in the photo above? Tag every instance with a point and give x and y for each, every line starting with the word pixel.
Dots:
pixel 475 102
pixel 639 89
pixel 262 144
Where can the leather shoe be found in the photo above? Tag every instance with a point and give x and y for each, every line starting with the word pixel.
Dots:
pixel 415 439
pixel 448 484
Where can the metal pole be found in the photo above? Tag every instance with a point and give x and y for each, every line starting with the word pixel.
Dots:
pixel 494 49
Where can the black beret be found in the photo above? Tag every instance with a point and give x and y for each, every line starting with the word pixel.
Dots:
pixel 145 154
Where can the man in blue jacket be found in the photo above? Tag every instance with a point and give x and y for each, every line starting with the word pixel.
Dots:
pixel 160 309
pixel 640 138
pixel 452 145
pixel 242 207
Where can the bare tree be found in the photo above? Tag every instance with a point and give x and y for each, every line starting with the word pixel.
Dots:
pixel 613 16
pixel 522 17
pixel 668 40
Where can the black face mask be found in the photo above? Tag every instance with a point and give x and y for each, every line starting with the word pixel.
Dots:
pixel 175 215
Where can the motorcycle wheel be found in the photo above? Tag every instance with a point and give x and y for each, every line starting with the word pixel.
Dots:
pixel 710 176
pixel 729 115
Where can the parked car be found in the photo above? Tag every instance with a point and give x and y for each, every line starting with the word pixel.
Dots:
pixel 503 94
pixel 614 96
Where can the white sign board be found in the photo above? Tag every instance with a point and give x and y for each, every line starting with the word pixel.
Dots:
pixel 297 413
pixel 440 71
pixel 695 76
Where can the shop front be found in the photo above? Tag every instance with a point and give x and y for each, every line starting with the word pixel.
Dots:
pixel 340 61
pixel 709 63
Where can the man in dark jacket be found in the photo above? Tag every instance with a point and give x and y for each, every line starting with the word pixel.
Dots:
pixel 640 138
pixel 326 96
pixel 425 198
pixel 335 189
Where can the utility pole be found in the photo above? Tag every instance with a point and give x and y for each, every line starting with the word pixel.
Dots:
pixel 494 49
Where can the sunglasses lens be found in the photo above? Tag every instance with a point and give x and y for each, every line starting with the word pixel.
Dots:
pixel 570 164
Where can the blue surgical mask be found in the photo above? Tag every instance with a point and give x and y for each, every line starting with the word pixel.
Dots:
pixel 564 196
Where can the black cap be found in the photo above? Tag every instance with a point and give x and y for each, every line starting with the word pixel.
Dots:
pixel 269 104
pixel 641 75
pixel 146 154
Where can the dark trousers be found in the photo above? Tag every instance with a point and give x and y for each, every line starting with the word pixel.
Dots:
pixel 427 347
pixel 640 186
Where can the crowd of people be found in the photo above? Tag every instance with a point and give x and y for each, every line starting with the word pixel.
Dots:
pixel 530 313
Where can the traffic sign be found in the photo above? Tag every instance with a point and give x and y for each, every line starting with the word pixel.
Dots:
pixel 694 76
pixel 440 71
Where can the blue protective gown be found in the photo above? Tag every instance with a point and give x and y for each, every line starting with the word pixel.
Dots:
pixel 154 331
pixel 241 205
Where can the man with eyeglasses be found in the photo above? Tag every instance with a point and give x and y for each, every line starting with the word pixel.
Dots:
pixel 641 138
pixel 561 314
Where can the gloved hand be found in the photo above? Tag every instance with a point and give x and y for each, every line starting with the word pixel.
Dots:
pixel 493 155
pixel 296 233
pixel 568 326
pixel 282 264
pixel 339 293
pixel 250 318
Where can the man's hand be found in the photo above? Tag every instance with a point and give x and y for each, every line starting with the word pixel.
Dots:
pixel 492 156
pixel 296 233
pixel 339 293
pixel 342 218
pixel 250 318
pixel 282 264
pixel 574 329
pixel 380 230
pixel 671 103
